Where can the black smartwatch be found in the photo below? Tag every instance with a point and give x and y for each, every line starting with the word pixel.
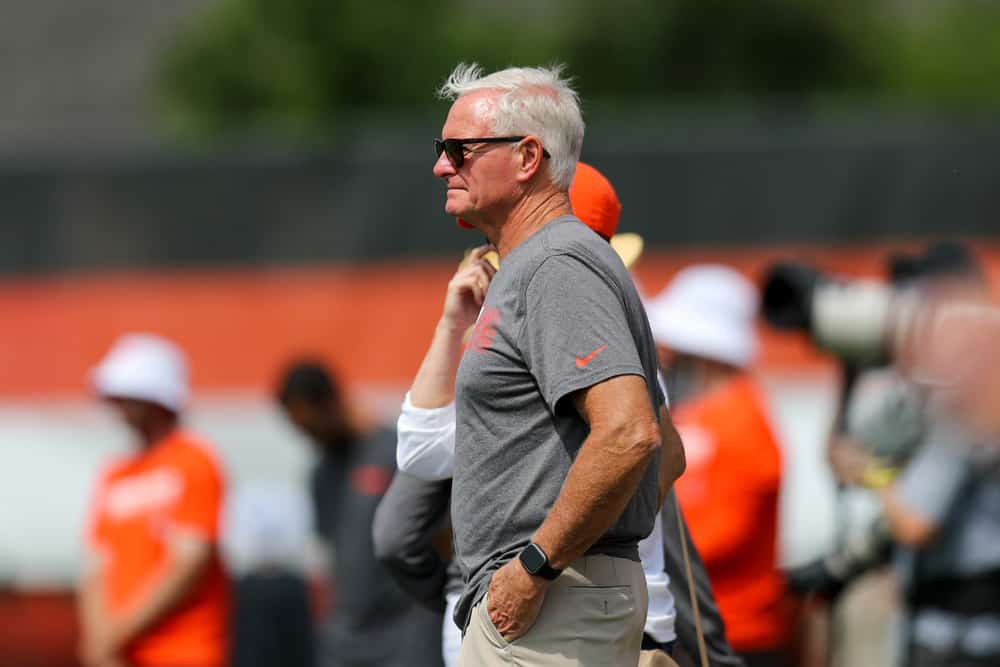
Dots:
pixel 536 563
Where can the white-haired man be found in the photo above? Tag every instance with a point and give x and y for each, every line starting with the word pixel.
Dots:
pixel 557 405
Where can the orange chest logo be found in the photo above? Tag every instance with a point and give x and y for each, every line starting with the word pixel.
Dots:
pixel 485 331
pixel 141 494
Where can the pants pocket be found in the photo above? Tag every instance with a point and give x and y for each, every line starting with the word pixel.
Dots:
pixel 603 603
pixel 491 630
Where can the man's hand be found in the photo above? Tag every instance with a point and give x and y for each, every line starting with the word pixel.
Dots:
pixel 101 645
pixel 848 459
pixel 467 289
pixel 515 599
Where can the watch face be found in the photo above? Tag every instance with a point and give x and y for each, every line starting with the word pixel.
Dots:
pixel 533 558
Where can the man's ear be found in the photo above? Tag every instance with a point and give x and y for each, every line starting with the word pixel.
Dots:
pixel 531 154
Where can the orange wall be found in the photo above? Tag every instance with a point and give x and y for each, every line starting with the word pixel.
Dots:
pixel 371 321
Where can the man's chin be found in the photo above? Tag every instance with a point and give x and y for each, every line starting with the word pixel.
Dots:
pixel 455 210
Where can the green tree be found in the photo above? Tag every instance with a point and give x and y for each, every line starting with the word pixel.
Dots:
pixel 294 67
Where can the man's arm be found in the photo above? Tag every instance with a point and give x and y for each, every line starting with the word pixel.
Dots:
pixel 426 426
pixel 917 503
pixel 403 532
pixel 94 619
pixel 104 636
pixel 624 435
pixel 434 384
pixel 90 598
pixel 190 557
pixel 908 527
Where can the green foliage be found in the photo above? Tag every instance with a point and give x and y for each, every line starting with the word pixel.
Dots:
pixel 294 66
pixel 249 64
pixel 951 58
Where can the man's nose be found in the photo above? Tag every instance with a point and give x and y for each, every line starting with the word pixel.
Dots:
pixel 443 167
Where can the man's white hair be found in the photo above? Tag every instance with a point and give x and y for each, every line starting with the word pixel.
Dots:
pixel 534 100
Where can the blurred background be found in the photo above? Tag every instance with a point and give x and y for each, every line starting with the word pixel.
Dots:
pixel 252 179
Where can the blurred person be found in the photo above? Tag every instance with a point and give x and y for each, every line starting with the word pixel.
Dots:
pixel 272 615
pixel 889 420
pixel 884 416
pixel 558 408
pixel 372 621
pixel 942 509
pixel 889 413
pixel 703 322
pixel 154 593
pixel 426 448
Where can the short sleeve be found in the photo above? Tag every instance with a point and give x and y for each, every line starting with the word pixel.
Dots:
pixel 575 332
pixel 200 502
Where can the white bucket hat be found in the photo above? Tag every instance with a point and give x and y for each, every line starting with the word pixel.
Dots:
pixel 707 310
pixel 145 367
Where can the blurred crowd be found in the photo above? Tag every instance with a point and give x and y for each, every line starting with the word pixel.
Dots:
pixel 918 430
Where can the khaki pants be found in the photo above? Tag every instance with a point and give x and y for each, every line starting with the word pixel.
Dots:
pixel 656 659
pixel 593 615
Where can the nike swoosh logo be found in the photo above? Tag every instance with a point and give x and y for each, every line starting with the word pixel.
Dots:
pixel 580 363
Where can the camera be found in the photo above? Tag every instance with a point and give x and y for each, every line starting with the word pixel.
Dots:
pixel 860 321
pixel 852 319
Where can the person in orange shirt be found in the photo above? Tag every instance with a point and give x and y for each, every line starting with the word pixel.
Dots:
pixel 703 323
pixel 154 592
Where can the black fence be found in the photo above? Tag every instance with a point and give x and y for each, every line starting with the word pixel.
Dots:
pixel 375 197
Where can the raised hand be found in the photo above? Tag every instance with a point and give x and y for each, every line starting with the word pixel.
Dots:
pixel 467 289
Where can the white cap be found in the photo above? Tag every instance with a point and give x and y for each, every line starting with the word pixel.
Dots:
pixel 708 311
pixel 145 367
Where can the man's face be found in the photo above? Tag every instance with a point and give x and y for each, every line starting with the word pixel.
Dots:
pixel 134 413
pixel 318 421
pixel 486 180
pixel 140 416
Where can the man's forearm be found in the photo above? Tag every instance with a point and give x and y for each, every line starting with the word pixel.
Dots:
pixel 602 480
pixel 434 384
pixel 403 532
pixel 906 526
pixel 190 562
pixel 90 602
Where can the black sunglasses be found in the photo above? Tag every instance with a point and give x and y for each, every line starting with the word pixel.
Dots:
pixel 455 148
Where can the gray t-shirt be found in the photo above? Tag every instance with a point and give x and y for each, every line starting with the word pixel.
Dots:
pixel 561 314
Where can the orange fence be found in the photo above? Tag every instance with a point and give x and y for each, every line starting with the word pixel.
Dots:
pixel 371 321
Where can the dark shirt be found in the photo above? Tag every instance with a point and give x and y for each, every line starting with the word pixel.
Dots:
pixel 373 621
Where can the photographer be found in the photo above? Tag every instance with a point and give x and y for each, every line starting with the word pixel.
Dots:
pixel 940 514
